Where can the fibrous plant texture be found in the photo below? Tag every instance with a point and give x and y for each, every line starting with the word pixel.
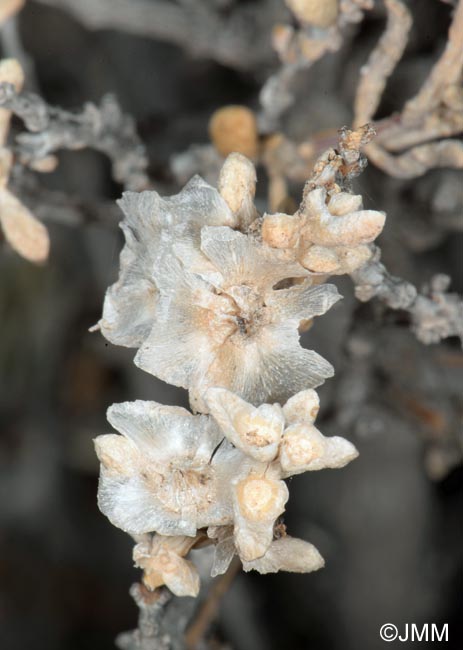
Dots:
pixel 214 295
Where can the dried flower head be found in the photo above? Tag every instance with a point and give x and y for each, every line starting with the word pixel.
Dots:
pixel 175 474
pixel 224 324
pixel 158 475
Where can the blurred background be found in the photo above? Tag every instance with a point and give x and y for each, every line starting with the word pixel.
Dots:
pixel 390 524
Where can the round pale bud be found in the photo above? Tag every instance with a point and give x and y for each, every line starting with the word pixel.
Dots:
pixel 234 128
pixel 280 230
pixel 302 407
pixel 11 72
pixel 320 259
pixel 321 13
pixel 167 561
pixel 237 186
pixel 25 234
pixel 259 427
pixel 353 258
pixel 343 203
pixel 44 165
pixel 301 445
pixel 258 498
pixel 115 453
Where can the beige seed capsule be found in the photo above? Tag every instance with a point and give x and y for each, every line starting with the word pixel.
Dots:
pixel 237 186
pixel 320 259
pixel 280 230
pixel 302 407
pixel 342 203
pixel 25 234
pixel 301 445
pixel 321 13
pixel 258 498
pixel 234 128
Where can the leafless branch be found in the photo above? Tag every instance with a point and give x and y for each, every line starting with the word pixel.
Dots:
pixel 382 61
pixel 435 314
pixel 239 39
pixel 104 128
pixel 446 72
pixel 149 634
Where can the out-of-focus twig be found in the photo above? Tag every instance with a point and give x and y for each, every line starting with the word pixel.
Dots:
pixel 321 29
pixel 240 38
pixel 407 146
pixel 446 72
pixel 418 160
pixel 9 8
pixel 149 634
pixel 208 611
pixel 435 314
pixel 382 61
pixel 104 128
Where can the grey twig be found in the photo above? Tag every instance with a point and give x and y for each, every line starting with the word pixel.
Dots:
pixel 162 620
pixel 240 37
pixel 149 634
pixel 435 314
pixel 104 128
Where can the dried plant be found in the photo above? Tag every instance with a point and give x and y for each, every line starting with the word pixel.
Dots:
pixel 212 295
pixel 213 292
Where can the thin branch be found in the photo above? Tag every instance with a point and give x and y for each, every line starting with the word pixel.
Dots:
pixel 104 128
pixel 435 314
pixel 149 634
pixel 382 61
pixel 446 72
pixel 207 613
pixel 238 39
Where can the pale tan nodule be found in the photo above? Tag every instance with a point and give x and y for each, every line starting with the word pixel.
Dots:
pixel 321 13
pixel 280 230
pixel 257 497
pixel 234 128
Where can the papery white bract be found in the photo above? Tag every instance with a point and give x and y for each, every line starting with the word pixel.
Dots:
pixel 226 324
pixel 152 225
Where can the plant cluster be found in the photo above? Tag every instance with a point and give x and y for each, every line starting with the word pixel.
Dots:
pixel 214 295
